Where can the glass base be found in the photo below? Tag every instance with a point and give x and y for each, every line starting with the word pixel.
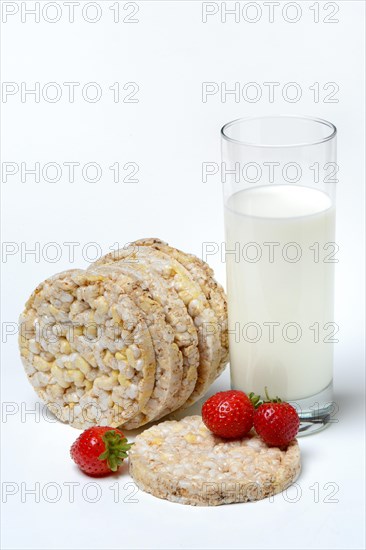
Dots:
pixel 316 412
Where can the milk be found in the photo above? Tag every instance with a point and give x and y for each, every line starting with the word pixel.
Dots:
pixel 280 295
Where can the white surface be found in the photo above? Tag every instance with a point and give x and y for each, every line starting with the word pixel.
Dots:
pixel 170 132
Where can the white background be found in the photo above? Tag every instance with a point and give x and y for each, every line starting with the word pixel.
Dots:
pixel 169 133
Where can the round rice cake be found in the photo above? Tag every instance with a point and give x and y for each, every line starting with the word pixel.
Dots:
pixel 87 350
pixel 191 294
pixel 214 293
pixel 185 334
pixel 184 462
pixel 169 361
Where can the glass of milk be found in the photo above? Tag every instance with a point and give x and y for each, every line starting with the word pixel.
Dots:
pixel 279 175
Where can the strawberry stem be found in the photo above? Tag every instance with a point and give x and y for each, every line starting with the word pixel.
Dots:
pixel 116 448
pixel 255 399
pixel 270 399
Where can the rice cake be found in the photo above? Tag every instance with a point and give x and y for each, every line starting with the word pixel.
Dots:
pixel 184 462
pixel 87 350
pixel 191 294
pixel 169 362
pixel 214 293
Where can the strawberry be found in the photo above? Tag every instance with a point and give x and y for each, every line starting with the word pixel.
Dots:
pixel 228 414
pixel 100 450
pixel 276 422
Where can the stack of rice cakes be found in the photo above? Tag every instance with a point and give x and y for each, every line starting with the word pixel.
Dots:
pixel 139 334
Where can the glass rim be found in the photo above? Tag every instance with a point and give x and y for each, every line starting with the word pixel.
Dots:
pixel 330 125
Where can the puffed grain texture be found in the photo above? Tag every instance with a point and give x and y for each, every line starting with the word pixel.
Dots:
pixel 202 273
pixel 87 350
pixel 190 292
pixel 184 462
pixel 149 297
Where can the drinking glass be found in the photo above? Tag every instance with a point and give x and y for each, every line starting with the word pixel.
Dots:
pixel 279 177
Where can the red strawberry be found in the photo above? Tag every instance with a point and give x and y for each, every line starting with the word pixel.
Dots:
pixel 100 450
pixel 277 423
pixel 228 414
